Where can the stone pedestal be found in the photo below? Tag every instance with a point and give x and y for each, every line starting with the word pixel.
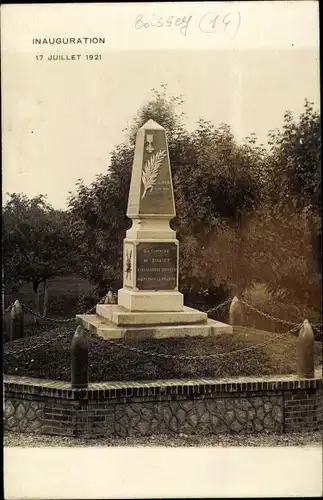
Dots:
pixel 116 322
pixel 158 301
pixel 149 303
pixel 151 275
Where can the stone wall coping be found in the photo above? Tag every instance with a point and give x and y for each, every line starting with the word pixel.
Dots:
pixel 184 387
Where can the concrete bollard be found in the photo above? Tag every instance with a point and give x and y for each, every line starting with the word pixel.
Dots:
pixel 236 312
pixel 17 321
pixel 305 351
pixel 109 298
pixel 80 359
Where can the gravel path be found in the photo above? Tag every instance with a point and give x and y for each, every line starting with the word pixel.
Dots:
pixel 295 439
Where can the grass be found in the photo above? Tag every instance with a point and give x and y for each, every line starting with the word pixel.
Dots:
pixel 108 362
pixel 60 290
pixel 292 313
pixel 65 298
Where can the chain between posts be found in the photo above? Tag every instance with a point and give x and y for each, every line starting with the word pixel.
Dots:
pixel 12 352
pixel 253 308
pixel 34 313
pixel 266 315
pixel 273 318
pixel 8 352
pixel 8 308
pixel 59 336
pixel 218 306
pixel 206 356
pixel 161 355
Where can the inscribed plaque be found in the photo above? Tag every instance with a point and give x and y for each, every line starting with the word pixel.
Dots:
pixel 156 266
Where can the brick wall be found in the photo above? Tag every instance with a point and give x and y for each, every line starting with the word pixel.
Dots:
pixel 163 407
pixel 303 409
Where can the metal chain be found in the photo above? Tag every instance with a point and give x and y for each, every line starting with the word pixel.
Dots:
pixel 69 320
pixel 12 352
pixel 266 315
pixel 90 310
pixel 9 351
pixel 162 355
pixel 34 313
pixel 269 316
pixel 8 308
pixel 219 306
pixel 206 356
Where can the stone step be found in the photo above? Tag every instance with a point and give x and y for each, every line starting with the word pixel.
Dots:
pixel 120 316
pixel 107 330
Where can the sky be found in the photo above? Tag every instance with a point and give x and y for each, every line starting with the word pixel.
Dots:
pixel 62 120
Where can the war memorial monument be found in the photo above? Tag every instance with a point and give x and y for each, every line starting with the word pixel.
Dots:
pixel 150 304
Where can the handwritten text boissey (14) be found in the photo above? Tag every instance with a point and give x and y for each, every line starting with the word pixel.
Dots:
pixel 211 22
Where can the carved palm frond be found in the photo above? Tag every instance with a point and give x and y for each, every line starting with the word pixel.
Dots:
pixel 150 171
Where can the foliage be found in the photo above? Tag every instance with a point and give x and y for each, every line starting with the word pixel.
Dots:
pixel 164 110
pixel 36 242
pixel 285 238
pixel 98 211
pixel 296 161
pixel 215 182
pixel 217 196
pixel 279 245
pixel 99 222
pixel 245 214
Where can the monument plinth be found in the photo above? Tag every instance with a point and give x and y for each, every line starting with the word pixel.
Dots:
pixel 149 303
pixel 151 253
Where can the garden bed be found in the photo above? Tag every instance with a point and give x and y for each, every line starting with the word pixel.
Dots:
pixel 108 362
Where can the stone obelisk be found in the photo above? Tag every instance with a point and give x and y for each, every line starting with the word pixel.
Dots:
pixel 150 254
pixel 149 303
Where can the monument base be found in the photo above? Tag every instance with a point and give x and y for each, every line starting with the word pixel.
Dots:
pixel 115 322
pixel 120 316
pixel 146 301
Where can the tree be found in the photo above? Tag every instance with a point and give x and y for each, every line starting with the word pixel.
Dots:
pixel 36 244
pixel 296 155
pixel 215 183
pixel 98 211
pixel 217 197
pixel 163 109
pixel 296 161
pixel 285 238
